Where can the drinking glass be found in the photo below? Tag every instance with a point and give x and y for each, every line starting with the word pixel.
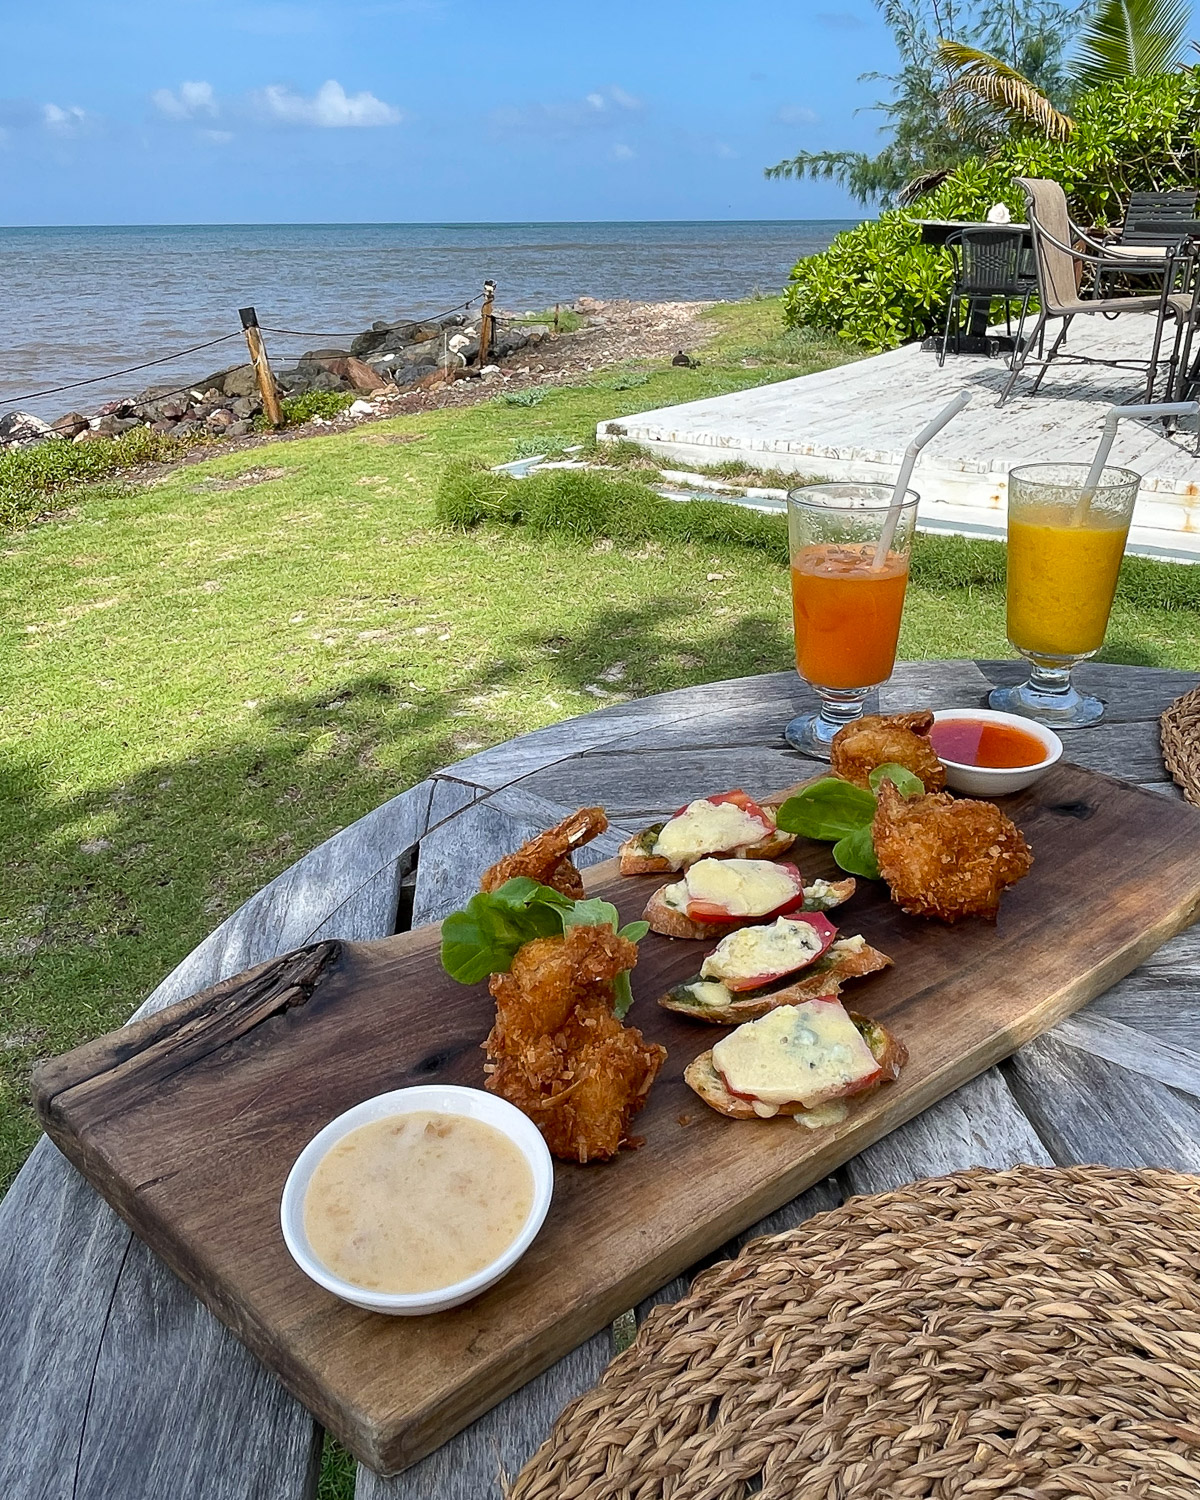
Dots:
pixel 846 609
pixel 1064 554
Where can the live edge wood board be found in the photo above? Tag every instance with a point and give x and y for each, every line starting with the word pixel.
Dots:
pixel 189 1121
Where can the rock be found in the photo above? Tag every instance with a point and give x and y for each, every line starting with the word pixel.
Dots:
pixel 362 409
pixel 219 421
pixel 23 427
pixel 121 408
pixel 353 374
pixel 164 424
pixel 240 381
pixel 459 342
pixel 90 435
pixel 588 305
pixel 489 372
pixel 186 428
pixel 245 407
pixel 110 425
pixel 319 356
pixel 172 411
pixel 239 428
pixel 69 424
pixel 536 332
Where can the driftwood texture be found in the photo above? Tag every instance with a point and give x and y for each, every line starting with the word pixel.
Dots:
pixel 189 1122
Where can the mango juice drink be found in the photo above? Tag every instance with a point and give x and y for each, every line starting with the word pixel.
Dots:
pixel 1061 580
pixel 847 614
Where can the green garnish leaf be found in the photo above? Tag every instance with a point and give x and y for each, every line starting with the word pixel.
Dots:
pixel 830 809
pixel 901 778
pixel 483 938
pixel 855 853
pixel 591 913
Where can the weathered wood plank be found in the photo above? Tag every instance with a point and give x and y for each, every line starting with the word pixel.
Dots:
pixel 1117 1043
pixel 455 854
pixel 1161 998
pixel 979 1125
pixel 1087 1109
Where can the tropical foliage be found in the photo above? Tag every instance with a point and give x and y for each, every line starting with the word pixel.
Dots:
pixel 878 286
pixel 929 134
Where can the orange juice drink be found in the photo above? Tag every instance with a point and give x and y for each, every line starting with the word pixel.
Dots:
pixel 1061 580
pixel 847 614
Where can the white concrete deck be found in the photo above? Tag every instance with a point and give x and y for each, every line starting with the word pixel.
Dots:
pixel 855 421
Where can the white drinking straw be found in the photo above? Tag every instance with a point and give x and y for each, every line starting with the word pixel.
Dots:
pixel 910 458
pixel 1104 448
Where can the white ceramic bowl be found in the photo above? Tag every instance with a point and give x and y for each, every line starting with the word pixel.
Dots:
pixel 998 781
pixel 440 1099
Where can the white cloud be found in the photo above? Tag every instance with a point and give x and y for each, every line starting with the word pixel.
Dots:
pixel 621 152
pixel 217 137
pixel 189 100
pixel 63 121
pixel 623 100
pixel 330 107
pixel 797 114
pixel 600 109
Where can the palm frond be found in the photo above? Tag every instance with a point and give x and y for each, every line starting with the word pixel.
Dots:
pixel 1131 38
pixel 979 78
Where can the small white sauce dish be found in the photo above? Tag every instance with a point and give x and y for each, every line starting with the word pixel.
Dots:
pixel 440 1099
pixel 999 781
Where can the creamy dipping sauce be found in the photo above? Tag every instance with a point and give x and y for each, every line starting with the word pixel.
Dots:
pixel 416 1202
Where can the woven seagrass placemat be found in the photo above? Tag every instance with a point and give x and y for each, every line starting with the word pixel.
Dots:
pixel 1033 1332
pixel 1179 733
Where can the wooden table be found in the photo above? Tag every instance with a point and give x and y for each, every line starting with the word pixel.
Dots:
pixel 115 1384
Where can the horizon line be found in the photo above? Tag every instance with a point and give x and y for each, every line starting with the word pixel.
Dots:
pixel 411 223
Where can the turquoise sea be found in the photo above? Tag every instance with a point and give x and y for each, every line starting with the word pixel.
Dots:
pixel 76 303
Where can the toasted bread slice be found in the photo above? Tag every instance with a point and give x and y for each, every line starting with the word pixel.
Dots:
pixel 848 958
pixel 702 1077
pixel 636 858
pixel 668 921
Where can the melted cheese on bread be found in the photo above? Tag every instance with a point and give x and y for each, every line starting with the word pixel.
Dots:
pixel 743 887
pixel 781 948
pixel 705 827
pixel 804 1054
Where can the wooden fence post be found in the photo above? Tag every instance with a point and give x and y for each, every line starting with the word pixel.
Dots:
pixel 262 366
pixel 485 322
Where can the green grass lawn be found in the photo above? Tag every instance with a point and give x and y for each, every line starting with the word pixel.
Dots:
pixel 206 677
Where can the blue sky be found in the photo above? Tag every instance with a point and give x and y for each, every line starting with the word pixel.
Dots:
pixel 426 110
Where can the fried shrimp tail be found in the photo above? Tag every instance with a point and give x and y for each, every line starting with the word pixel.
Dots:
pixel 547 858
pixel 882 739
pixel 947 857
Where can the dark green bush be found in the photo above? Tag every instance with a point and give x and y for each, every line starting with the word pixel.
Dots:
pixel 878 286
pixel 30 477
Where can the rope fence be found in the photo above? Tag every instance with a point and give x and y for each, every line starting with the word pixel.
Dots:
pixel 252 330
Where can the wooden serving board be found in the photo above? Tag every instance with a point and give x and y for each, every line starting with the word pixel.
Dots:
pixel 189 1120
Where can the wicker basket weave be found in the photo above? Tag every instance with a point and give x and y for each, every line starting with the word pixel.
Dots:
pixel 1031 1333
pixel 1179 731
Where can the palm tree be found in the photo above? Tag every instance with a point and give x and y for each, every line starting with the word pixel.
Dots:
pixel 1131 38
pixel 1122 39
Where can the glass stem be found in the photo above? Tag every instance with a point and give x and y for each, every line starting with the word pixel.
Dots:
pixel 841 706
pixel 1054 681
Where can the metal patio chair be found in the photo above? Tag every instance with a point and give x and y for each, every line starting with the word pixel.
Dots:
pixel 1154 223
pixel 1059 261
pixel 987 268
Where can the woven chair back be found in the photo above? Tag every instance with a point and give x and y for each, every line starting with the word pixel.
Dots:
pixel 1048 215
pixel 989 261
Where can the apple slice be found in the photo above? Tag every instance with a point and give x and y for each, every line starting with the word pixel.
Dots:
pixel 757 956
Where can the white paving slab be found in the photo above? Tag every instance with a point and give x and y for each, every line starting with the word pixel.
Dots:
pixel 855 421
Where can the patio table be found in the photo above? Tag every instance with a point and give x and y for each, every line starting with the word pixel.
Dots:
pixel 116 1384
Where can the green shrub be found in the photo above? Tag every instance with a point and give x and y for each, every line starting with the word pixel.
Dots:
pixel 532 395
pixel 327 404
pixel 878 286
pixel 31 476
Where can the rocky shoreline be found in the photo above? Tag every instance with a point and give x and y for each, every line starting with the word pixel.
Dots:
pixel 392 366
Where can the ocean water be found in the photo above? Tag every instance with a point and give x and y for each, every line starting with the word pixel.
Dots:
pixel 77 303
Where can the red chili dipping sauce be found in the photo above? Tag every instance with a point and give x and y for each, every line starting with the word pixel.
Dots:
pixel 983 742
